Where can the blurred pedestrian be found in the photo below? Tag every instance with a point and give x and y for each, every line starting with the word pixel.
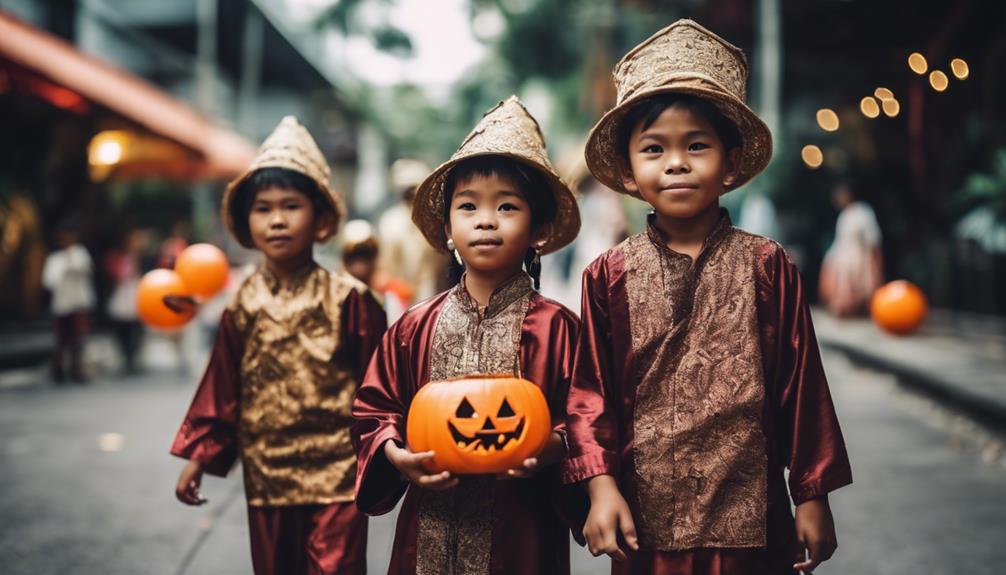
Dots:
pixel 68 275
pixel 291 348
pixel 124 268
pixel 174 244
pixel 360 251
pixel 408 263
pixel 853 266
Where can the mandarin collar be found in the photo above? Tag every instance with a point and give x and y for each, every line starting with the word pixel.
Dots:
pixel 297 280
pixel 719 231
pixel 505 294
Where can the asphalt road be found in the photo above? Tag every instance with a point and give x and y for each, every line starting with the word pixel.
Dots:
pixel 88 485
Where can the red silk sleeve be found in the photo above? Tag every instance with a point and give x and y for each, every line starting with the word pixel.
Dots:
pixel 209 432
pixel 809 438
pixel 591 408
pixel 379 410
pixel 363 324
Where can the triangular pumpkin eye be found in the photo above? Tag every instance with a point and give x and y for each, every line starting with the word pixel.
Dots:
pixel 465 410
pixel 505 409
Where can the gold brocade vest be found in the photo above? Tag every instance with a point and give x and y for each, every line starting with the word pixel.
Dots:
pixel 701 476
pixel 295 400
pixel 455 526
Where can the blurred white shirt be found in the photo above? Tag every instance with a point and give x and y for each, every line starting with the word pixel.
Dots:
pixel 67 274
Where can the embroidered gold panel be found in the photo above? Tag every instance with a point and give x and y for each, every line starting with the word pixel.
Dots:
pixel 699 446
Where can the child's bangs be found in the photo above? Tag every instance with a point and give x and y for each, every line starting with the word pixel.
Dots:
pixel 531 185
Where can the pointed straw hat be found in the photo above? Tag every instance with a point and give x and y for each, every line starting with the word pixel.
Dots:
pixel 688 59
pixel 505 130
pixel 290 146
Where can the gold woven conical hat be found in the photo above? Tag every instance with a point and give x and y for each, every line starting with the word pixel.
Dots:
pixel 289 146
pixel 505 130
pixel 683 58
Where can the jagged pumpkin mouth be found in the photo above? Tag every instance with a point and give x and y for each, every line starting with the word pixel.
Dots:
pixel 488 439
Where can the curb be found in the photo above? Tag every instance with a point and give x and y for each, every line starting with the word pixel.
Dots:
pixel 927 382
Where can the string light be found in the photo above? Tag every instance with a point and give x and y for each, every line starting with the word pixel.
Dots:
pixel 960 68
pixel 917 62
pixel 812 156
pixel 938 80
pixel 869 107
pixel 827 119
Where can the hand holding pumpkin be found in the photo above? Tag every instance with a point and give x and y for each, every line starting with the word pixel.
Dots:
pixel 411 466
pixel 554 451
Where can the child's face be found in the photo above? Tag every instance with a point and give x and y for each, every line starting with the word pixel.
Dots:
pixel 679 164
pixel 490 223
pixel 283 225
pixel 361 268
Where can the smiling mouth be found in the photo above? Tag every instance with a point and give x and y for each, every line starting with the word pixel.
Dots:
pixel 486 243
pixel 679 189
pixel 486 441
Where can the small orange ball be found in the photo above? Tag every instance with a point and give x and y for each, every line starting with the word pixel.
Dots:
pixel 203 268
pixel 150 299
pixel 899 307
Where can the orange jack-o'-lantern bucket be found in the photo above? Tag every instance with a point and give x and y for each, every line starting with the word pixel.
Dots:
pixel 478 424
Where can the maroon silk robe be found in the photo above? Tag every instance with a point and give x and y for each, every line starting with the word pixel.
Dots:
pixel 527 519
pixel 696 386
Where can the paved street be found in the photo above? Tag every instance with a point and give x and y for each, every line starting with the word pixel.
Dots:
pixel 929 497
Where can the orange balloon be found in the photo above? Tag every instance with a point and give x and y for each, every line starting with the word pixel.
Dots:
pixel 899 307
pixel 150 303
pixel 203 268
pixel 478 424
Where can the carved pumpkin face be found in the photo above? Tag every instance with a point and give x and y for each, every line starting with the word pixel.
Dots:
pixel 478 424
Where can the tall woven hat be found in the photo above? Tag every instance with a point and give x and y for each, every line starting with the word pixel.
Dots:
pixel 505 130
pixel 682 58
pixel 289 146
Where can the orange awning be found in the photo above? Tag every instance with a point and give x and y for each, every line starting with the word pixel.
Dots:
pixel 225 153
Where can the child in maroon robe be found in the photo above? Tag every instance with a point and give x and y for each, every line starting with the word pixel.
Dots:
pixel 497 205
pixel 291 348
pixel 697 376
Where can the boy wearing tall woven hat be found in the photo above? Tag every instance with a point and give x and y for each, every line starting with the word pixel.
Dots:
pixel 291 348
pixel 698 379
pixel 496 206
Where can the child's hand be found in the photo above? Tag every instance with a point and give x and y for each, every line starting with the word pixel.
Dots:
pixel 815 529
pixel 411 466
pixel 187 490
pixel 180 304
pixel 609 517
pixel 555 450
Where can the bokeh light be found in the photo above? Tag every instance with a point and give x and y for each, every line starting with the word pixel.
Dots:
pixel 869 107
pixel 891 107
pixel 960 68
pixel 883 94
pixel 917 62
pixel 812 156
pixel 827 119
pixel 938 80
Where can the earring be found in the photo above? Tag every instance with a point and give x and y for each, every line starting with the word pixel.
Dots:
pixel 534 268
pixel 451 247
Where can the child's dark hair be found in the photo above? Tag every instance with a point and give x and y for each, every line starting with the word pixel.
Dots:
pixel 273 178
pixel 530 183
pixel 645 113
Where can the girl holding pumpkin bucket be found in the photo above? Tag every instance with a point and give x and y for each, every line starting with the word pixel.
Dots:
pixel 497 205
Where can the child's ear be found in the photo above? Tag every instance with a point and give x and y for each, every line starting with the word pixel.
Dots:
pixel 324 226
pixel 625 173
pixel 733 163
